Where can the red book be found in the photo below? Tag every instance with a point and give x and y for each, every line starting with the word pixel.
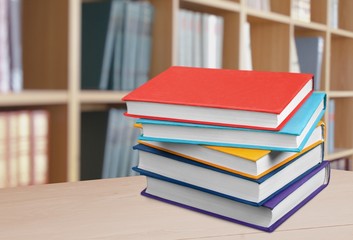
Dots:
pixel 252 99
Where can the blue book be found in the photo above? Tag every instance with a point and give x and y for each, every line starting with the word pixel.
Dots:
pixel 292 137
pixel 310 54
pixel 174 168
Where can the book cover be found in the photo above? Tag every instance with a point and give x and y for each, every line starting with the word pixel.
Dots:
pixel 270 204
pixel 292 137
pixel 273 96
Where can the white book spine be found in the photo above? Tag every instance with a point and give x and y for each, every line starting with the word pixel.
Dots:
pixel 4 48
pixel 246 53
pixel 197 41
pixel 15 45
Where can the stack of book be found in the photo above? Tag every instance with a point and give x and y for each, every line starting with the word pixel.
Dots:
pixel 244 146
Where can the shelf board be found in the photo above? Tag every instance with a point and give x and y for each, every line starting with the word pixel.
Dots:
pixel 339 94
pixel 309 25
pixel 339 153
pixel 33 97
pixel 98 96
pixel 260 16
pixel 220 4
pixel 341 33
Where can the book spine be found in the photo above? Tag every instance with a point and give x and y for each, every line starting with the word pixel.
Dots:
pixel 39 146
pixel 4 48
pixel 3 150
pixel 16 82
pixel 331 126
pixel 109 47
pixel 24 176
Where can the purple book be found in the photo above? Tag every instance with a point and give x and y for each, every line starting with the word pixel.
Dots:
pixel 266 217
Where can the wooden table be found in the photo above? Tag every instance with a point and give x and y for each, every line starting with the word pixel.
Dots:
pixel 114 209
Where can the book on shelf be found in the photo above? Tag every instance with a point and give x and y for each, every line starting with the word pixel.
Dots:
pixel 39 120
pixel 263 5
pixel 200 176
pixel 94 130
pixel 301 10
pixel 310 54
pixel 15 39
pixel 294 61
pixel 24 148
pixel 251 163
pixel 116 44
pixel 107 138
pixel 105 80
pixel 129 57
pixel 246 49
pixel 267 217
pixel 118 155
pixel 94 32
pixel 12 145
pixel 292 137
pixel 200 37
pixel 334 10
pixel 3 150
pixel 331 126
pixel 264 100
pixel 144 44
pixel 4 47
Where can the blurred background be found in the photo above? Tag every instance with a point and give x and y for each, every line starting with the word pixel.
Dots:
pixel 66 64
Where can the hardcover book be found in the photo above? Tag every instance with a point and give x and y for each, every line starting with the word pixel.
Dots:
pixel 251 163
pixel 267 217
pixel 170 167
pixel 292 137
pixel 264 100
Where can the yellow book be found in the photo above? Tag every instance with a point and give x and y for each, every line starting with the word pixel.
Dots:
pixel 251 163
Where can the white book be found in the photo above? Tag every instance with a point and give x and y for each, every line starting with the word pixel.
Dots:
pixel 15 10
pixel 294 61
pixel 39 158
pixel 182 37
pixel 246 57
pixel 4 48
pixel 209 37
pixel 219 41
pixel 197 40
pixel 301 10
pixel 334 9
pixel 24 146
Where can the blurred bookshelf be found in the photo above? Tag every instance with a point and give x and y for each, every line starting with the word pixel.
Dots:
pixel 51 45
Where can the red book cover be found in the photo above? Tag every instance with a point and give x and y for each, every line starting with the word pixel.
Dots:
pixel 255 91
